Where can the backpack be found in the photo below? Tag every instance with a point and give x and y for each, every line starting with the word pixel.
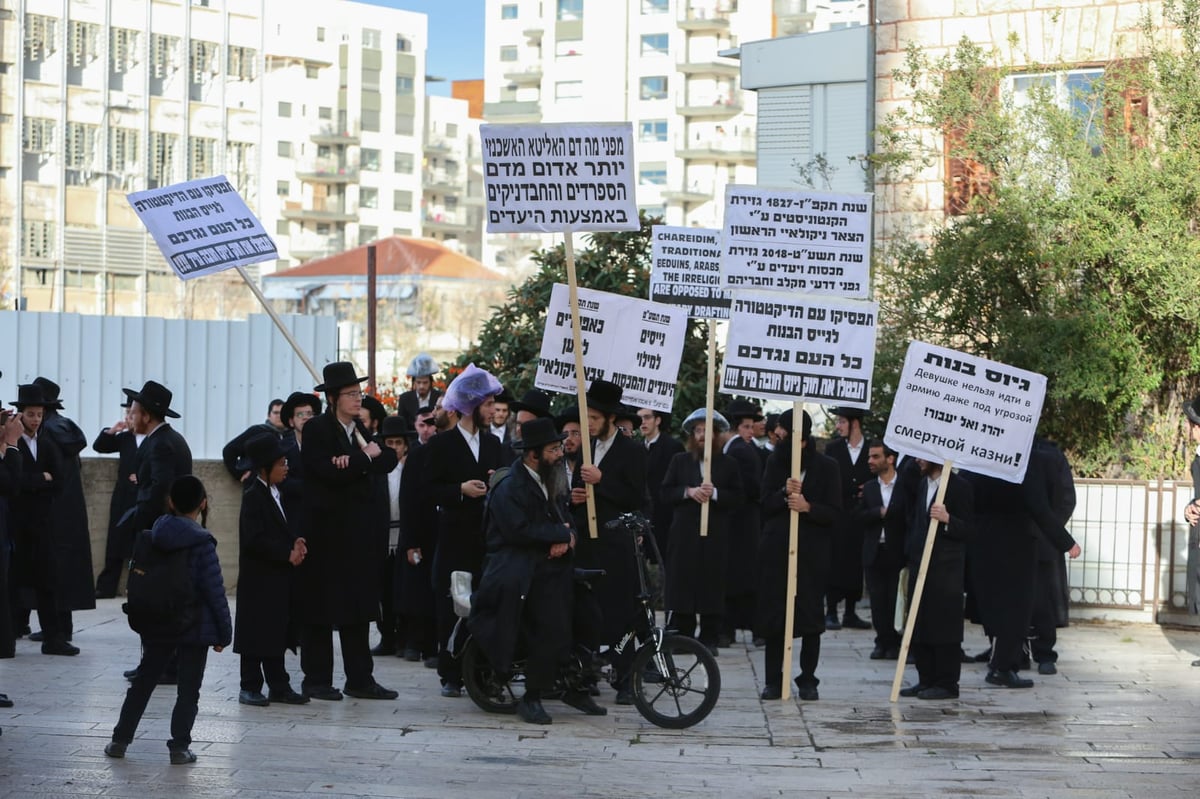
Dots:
pixel 162 602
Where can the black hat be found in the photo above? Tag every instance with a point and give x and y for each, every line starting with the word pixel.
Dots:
pixel 535 402
pixel 374 408
pixel 848 413
pixel 261 452
pixel 504 397
pixel 396 426
pixel 740 409
pixel 51 390
pixel 154 397
pixel 785 421
pixel 568 414
pixel 604 396
pixel 294 401
pixel 31 394
pixel 537 433
pixel 338 375
pixel 1192 409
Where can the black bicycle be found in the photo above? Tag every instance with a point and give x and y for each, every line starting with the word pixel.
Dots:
pixel 674 680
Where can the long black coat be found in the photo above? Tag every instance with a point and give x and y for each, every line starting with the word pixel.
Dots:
pixel 741 572
pixel 521 526
pixel 696 567
pixel 940 617
pixel 35 537
pixel 338 581
pixel 821 487
pixel 622 489
pixel 264 624
pixel 124 493
pixel 10 485
pixel 1193 557
pixel 418 530
pixel 460 542
pixel 162 456
pixel 846 568
pixel 658 457
pixel 75 589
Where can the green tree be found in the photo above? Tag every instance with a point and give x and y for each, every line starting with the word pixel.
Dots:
pixel 619 263
pixel 1078 259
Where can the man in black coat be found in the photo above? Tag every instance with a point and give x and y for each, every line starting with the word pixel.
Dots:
pixel 1191 514
pixel 162 456
pixel 10 484
pixel 525 595
pixel 422 395
pixel 338 580
pixel 660 446
pixel 121 439
pixel 882 513
pixel 741 576
pixel 1051 601
pixel 938 629
pixel 461 461
pixel 235 450
pixel 846 570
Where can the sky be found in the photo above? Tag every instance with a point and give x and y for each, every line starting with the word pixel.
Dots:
pixel 455 38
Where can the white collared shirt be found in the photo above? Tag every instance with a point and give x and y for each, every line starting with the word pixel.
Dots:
pixel 885 491
pixel 275 496
pixel 602 447
pixel 350 428
pixel 931 487
pixel 854 451
pixel 472 440
pixel 499 432
pixel 650 441
pixel 32 443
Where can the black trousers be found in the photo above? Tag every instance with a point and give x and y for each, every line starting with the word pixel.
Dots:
pixel 388 619
pixel 256 670
pixel 810 654
pixel 883 586
pixel 155 654
pixel 1044 624
pixel 117 550
pixel 710 625
pixel 56 623
pixel 316 655
pixel 1007 653
pixel 938 664
pixel 449 668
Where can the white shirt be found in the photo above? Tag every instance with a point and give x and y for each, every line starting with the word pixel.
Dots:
pixel 499 432
pixel 350 428
pixel 275 496
pixel 650 441
pixel 31 443
pixel 394 506
pixel 855 451
pixel 472 440
pixel 885 491
pixel 602 447
pixel 931 487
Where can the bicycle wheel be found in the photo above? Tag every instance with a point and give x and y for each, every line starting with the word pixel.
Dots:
pixel 487 689
pixel 687 687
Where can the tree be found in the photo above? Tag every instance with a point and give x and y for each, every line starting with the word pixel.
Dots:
pixel 509 342
pixel 1076 252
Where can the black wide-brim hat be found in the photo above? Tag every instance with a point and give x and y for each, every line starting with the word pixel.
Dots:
pixel 1192 410
pixel 848 413
pixel 629 413
pixel 537 433
pixel 338 375
pixel 31 395
pixel 533 401
pixel 396 426
pixel 605 396
pixel 294 401
pixel 567 415
pixel 154 397
pixel 740 409
pixel 51 391
pixel 785 421
pixel 261 452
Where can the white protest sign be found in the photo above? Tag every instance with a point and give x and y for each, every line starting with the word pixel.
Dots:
pixel 805 241
pixel 203 226
pixel 980 414
pixel 686 271
pixel 800 347
pixel 634 343
pixel 558 177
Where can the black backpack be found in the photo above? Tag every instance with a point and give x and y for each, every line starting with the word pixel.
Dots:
pixel 162 602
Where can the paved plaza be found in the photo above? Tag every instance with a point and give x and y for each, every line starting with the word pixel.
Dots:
pixel 1121 719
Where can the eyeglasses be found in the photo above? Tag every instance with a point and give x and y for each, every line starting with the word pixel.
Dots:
pixel 303 415
pixel 353 394
pixel 554 448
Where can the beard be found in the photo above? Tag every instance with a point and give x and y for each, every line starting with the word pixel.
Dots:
pixel 480 422
pixel 695 447
pixel 554 477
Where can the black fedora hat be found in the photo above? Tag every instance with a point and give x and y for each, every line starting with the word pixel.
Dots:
pixel 1192 410
pixel 533 401
pixel 785 421
pixel 537 433
pixel 51 391
pixel 395 426
pixel 568 414
pixel 739 409
pixel 154 397
pixel 848 413
pixel 261 452
pixel 31 394
pixel 294 401
pixel 338 375
pixel 605 396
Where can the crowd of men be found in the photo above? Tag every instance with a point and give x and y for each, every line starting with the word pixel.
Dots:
pixel 353 517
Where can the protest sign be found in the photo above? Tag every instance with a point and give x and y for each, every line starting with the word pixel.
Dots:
pixel 634 343
pixel 800 241
pixel 203 226
pixel 791 347
pixel 952 406
pixel 559 177
pixel 686 271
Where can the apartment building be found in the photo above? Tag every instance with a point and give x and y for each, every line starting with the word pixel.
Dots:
pixel 452 177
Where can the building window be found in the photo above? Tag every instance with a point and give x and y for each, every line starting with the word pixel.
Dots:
pixel 508 53
pixel 653 88
pixel 241 63
pixel 41 37
pixel 568 47
pixel 122 50
pixel 370 121
pixel 367 234
pixel 285 110
pixel 652 175
pixel 405 123
pixel 404 86
pixel 568 90
pixel 320 34
pixel 508 11
pixel 403 43
pixel 403 163
pixel 239 164
pixel 369 158
pixel 282 188
pixel 203 60
pixel 652 130
pixel 570 9
pixel 371 38
pixel 282 227
pixel 37 238
pixel 311 72
pixel 451 130
pixel 655 6
pixel 654 211
pixel 202 158
pixel 80 146
pixel 368 197
pixel 37 135
pixel 164 55
pixel 284 149
pixel 402 200
pixel 123 150
pixel 656 44
pixel 324 112
pixel 161 171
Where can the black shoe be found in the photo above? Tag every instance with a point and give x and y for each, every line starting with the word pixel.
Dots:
pixel 913 690
pixel 759 642
pixel 937 692
pixel 1007 679
pixel 892 653
pixel 59 647
pixel 5 701
pixel 115 749
pixel 181 757
pixel 771 692
pixel 22 631
pixel 984 656
pixel 583 703
pixel 594 690
pixel 807 689
pixel 624 696
pixel 373 691
pixel 431 662
pixel 832 623
pixel 384 648
pixel 1047 667
pixel 254 698
pixel 130 675
pixel 412 655
pixel 851 621
pixel 38 636
pixel 531 711
pixel 325 692
pixel 287 697
pixel 451 691
pixel 880 653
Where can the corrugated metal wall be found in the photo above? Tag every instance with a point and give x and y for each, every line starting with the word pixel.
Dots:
pixel 223 374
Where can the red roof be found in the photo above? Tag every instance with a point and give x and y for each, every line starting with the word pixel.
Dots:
pixel 396 256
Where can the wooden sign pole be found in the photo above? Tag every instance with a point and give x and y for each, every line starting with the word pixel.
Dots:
pixel 797 442
pixel 585 442
pixel 706 464
pixel 915 605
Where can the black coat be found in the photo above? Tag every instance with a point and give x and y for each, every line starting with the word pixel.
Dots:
pixel 338 581
pixel 893 525
pixel 162 456
pixel 10 479
pixel 846 569
pixel 696 567
pixel 124 493
pixel 75 589
pixel 460 543
pixel 1058 484
pixel 418 530
pixel 822 490
pixel 521 526
pixel 264 624
pixel 35 538
pixel 940 617
pixel 741 573
pixel 658 457
pixel 236 448
pixel 622 489
pixel 406 404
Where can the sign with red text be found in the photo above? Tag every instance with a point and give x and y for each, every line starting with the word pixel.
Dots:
pixel 685 270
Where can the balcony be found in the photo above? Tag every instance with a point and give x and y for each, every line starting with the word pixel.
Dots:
pixel 445 221
pixel 513 111
pixel 534 33
pixel 439 181
pixel 528 75
pixel 333 136
pixel 438 146
pixel 690 194
pixel 709 107
pixel 325 170
pixel 735 149
pixel 705 17
pixel 710 67
pixel 333 211
pixel 308 247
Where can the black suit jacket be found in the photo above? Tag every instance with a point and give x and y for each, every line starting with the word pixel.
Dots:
pixel 124 493
pixel 658 456
pixel 894 524
pixel 406 404
pixel 460 540
pixel 234 450
pixel 163 456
